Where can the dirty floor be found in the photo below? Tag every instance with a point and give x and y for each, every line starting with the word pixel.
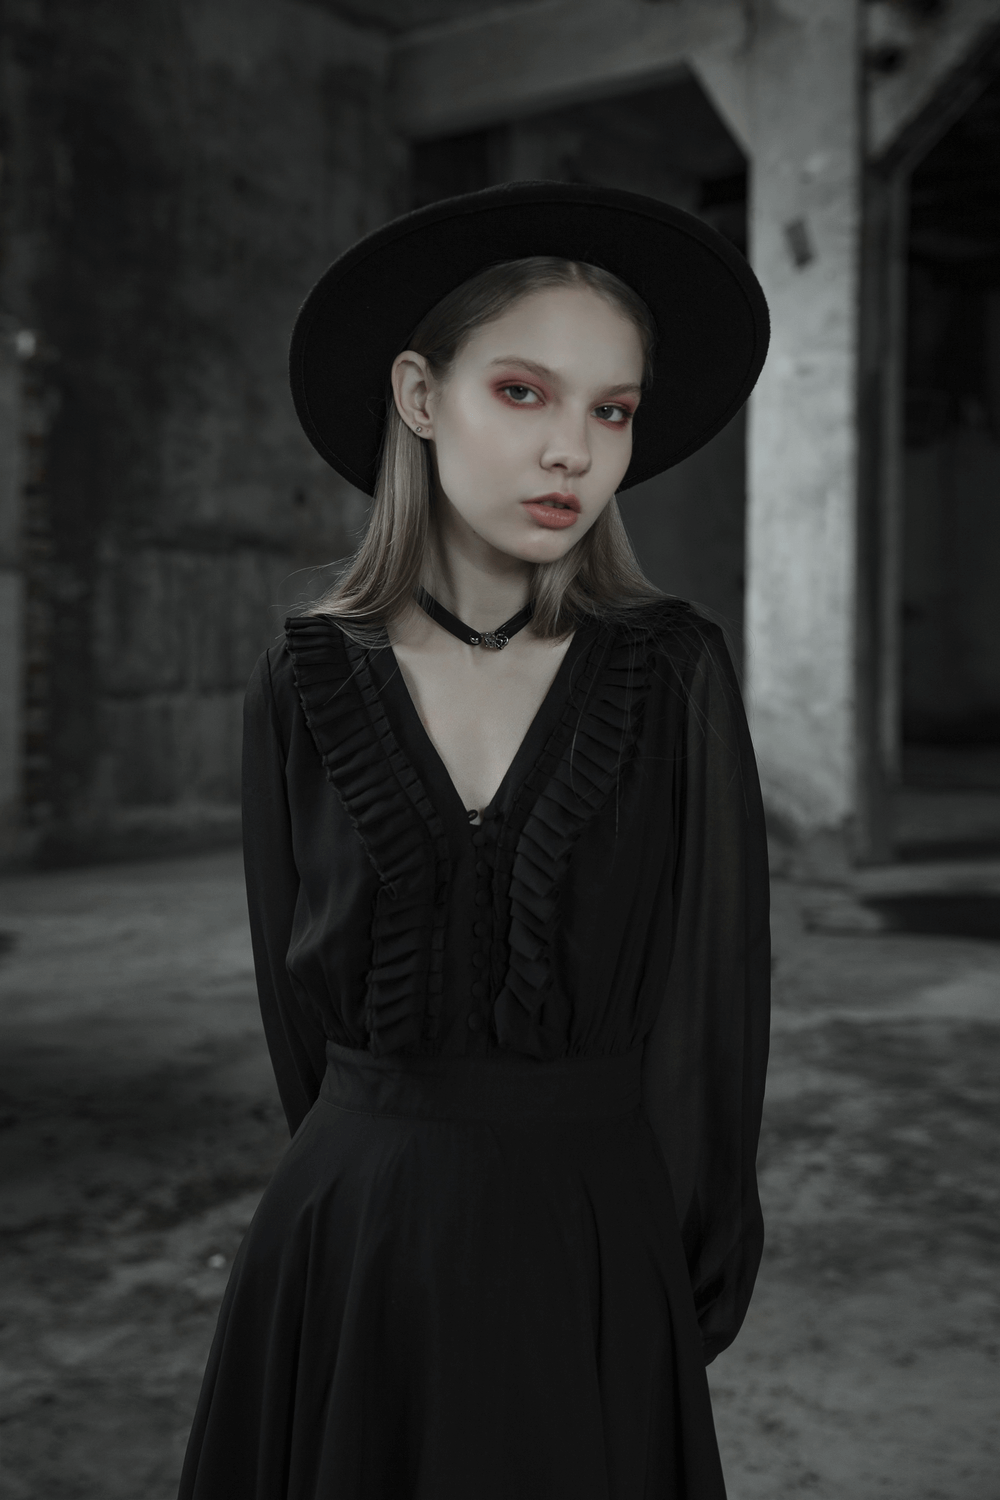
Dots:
pixel 139 1123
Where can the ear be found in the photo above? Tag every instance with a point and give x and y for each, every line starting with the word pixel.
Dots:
pixel 411 389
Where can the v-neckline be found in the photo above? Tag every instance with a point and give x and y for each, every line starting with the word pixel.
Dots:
pixel 417 745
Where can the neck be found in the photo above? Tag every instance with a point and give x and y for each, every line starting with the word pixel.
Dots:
pixel 475 581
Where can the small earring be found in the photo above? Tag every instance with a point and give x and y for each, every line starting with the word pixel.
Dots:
pixel 418 429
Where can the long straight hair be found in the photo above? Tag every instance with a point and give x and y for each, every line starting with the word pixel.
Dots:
pixel 599 576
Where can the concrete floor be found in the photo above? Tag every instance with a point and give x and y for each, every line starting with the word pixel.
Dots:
pixel 138 1124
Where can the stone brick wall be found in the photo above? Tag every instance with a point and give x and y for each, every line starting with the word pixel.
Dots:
pixel 176 176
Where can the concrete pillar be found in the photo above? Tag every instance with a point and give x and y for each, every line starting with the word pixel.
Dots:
pixel 805 227
pixel 11 595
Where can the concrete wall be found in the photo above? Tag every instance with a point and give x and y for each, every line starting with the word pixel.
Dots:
pixel 11 589
pixel 805 246
pixel 177 176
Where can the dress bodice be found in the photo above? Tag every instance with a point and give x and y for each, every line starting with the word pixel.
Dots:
pixel 487 895
pixel 615 894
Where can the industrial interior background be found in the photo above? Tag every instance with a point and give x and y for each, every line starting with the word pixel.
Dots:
pixel 175 175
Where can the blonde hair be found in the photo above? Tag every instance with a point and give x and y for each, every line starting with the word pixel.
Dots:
pixel 600 576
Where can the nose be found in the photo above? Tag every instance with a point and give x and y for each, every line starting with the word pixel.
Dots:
pixel 567 445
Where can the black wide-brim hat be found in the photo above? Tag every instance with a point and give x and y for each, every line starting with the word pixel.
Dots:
pixel 710 313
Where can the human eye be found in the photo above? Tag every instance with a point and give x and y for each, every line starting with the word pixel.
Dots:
pixel 616 416
pixel 521 395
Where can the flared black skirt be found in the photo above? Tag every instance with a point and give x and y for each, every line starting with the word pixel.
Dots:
pixel 465 1282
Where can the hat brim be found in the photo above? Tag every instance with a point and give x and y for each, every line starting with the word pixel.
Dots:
pixel 710 312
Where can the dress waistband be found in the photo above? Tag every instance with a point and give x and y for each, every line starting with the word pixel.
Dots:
pixel 500 1087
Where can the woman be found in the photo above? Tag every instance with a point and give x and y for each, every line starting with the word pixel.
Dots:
pixel 508 890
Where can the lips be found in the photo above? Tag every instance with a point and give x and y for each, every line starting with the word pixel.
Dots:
pixel 554 511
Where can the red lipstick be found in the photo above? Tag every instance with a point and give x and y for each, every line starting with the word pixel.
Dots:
pixel 554 511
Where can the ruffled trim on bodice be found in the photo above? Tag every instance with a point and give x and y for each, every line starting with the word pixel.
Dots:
pixel 571 782
pixel 584 758
pixel 395 820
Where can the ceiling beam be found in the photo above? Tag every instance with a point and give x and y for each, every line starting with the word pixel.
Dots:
pixel 519 59
pixel 936 59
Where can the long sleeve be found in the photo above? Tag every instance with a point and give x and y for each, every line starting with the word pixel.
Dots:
pixel 294 1038
pixel 705 1059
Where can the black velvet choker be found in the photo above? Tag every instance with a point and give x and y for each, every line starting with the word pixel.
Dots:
pixel 494 639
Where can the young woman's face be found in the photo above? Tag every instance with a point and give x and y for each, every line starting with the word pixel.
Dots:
pixel 532 426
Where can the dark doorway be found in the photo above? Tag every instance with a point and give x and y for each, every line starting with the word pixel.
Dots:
pixel 669 142
pixel 951 488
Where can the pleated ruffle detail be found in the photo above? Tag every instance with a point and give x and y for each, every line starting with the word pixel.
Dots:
pixel 395 820
pixel 587 756
pixel 580 768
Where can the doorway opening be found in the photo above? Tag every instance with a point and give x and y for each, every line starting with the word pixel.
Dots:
pixel 950 628
pixel 688 525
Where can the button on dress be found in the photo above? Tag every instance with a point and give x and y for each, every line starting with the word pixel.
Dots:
pixel 522 1061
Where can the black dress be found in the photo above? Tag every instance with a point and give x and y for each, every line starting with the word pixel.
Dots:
pixel 523 1063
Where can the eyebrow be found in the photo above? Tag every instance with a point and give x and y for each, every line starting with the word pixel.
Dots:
pixel 632 388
